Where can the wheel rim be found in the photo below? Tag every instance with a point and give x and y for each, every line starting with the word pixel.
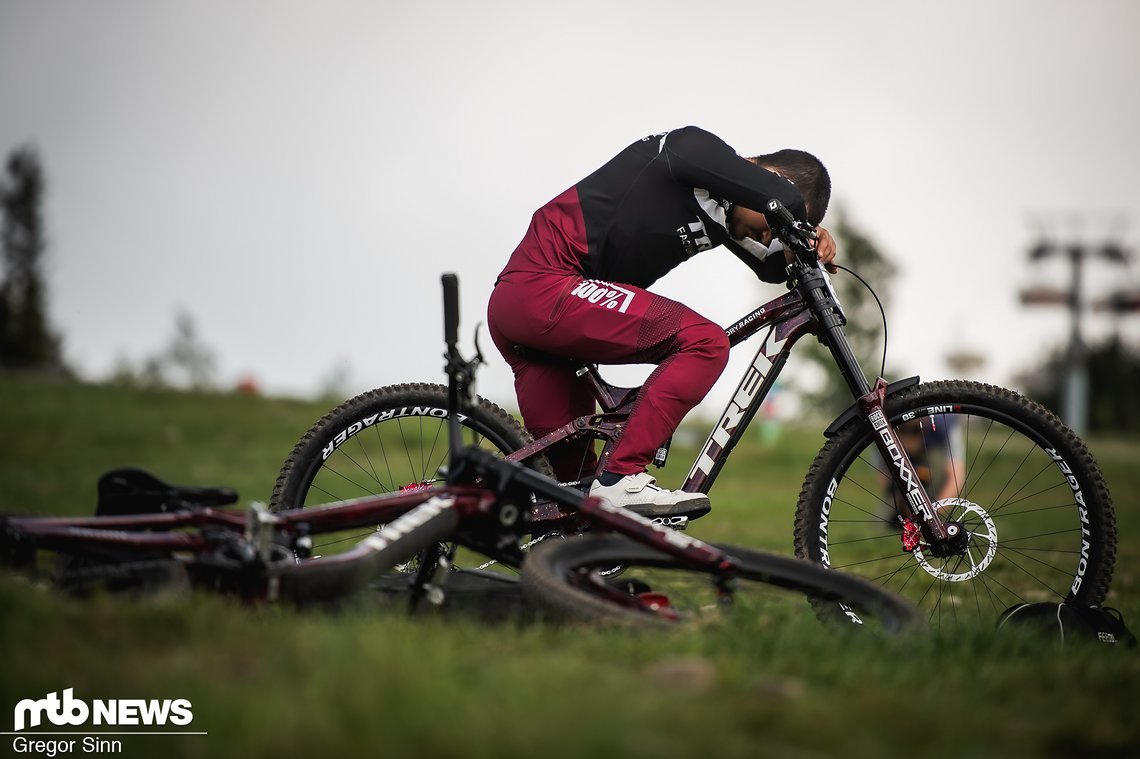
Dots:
pixel 1021 506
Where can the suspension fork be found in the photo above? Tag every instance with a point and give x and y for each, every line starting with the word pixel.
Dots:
pixel 872 402
pixel 917 502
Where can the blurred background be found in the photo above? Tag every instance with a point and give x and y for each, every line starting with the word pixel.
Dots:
pixel 262 195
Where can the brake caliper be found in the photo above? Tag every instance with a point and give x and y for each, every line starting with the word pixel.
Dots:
pixel 911 536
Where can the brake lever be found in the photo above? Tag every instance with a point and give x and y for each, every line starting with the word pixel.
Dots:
pixel 478 359
pixel 799 229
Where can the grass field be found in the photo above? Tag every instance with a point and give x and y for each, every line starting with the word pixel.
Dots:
pixel 272 682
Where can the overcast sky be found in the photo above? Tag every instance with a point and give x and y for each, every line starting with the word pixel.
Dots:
pixel 296 175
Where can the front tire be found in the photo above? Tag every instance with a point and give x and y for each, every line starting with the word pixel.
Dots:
pixel 387 440
pixel 1026 489
pixel 612 580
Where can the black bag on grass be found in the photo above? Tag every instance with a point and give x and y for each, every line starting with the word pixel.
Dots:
pixel 1069 621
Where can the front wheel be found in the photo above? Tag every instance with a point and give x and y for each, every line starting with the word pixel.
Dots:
pixel 1037 513
pixel 611 579
pixel 389 440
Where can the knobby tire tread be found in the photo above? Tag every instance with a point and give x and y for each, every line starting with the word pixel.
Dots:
pixel 305 457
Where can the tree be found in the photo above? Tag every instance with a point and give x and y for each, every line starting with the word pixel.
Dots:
pixel 189 358
pixel 1113 385
pixel 864 322
pixel 186 362
pixel 26 339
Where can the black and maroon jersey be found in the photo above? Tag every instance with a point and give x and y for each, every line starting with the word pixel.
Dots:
pixel 658 203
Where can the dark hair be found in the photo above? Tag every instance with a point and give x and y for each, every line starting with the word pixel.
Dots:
pixel 807 173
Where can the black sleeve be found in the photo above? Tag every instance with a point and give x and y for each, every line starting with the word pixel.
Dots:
pixel 770 269
pixel 701 159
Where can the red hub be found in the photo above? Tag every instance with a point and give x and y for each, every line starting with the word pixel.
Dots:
pixel 415 487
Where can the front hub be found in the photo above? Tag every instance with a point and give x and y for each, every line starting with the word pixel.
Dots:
pixel 971 545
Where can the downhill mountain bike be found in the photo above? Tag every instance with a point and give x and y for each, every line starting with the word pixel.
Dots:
pixel 148 533
pixel 963 497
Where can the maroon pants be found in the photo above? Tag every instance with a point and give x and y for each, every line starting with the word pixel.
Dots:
pixel 604 323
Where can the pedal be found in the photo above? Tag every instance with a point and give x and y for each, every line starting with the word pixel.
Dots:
pixel 673 523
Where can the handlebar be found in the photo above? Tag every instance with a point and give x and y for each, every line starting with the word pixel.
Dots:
pixel 797 234
pixel 450 310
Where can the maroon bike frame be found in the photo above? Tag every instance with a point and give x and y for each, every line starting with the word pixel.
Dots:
pixel 183 530
pixel 787 319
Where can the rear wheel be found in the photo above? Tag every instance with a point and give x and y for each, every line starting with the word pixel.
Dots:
pixel 613 580
pixel 1027 491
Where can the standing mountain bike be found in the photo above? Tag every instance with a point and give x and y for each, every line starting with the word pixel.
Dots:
pixel 963 497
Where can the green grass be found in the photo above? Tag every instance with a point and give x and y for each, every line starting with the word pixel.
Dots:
pixel 273 682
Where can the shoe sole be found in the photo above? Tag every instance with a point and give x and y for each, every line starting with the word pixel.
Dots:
pixel 691 509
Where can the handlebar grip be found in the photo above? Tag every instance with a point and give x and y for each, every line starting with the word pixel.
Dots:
pixel 450 308
pixel 781 212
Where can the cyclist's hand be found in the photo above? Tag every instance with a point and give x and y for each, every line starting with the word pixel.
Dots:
pixel 825 248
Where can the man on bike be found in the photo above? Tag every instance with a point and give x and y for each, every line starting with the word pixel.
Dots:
pixel 574 288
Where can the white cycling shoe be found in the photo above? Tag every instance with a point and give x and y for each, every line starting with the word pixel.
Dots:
pixel 639 493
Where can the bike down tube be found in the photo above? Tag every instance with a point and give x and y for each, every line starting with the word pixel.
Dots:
pixel 329 577
pixel 788 320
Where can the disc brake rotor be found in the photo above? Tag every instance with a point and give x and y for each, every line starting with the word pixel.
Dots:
pixel 981 543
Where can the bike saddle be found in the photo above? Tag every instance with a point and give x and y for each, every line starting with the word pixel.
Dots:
pixel 541 356
pixel 614 396
pixel 136 491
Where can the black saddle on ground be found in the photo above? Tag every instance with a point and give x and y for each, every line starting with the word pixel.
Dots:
pixel 131 490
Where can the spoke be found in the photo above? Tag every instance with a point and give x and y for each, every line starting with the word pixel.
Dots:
pixel 407 448
pixel 371 470
pixel 1012 477
pixel 1013 497
pixel 977 453
pixel 346 478
pixel 1066 505
pixel 1006 552
pixel 996 456
pixel 384 454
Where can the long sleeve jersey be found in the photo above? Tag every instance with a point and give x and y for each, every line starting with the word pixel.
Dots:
pixel 656 204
